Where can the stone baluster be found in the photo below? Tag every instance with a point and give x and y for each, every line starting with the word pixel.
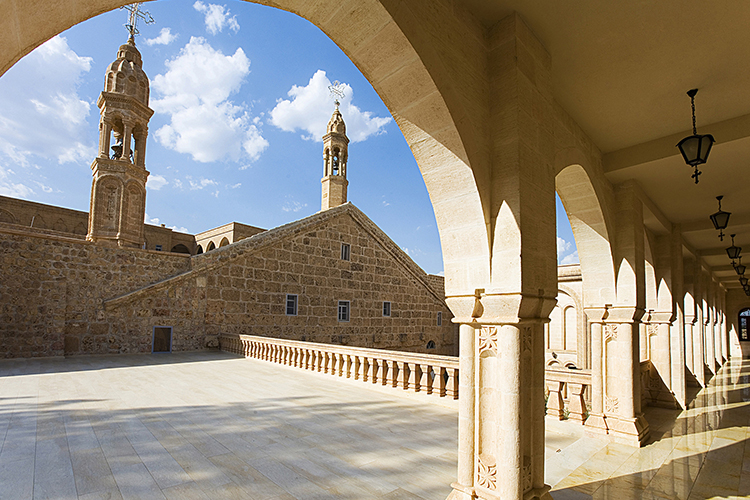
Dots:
pixel 372 370
pixel 425 381
pixel 390 380
pixel 577 402
pixel 382 372
pixel 403 375
pixel 452 384
pixel 555 403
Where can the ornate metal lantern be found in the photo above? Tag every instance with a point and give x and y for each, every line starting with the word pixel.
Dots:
pixel 695 148
pixel 734 251
pixel 739 268
pixel 720 219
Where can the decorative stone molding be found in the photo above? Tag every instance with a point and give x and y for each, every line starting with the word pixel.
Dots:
pixel 526 338
pixel 526 473
pixel 652 329
pixel 611 404
pixel 488 339
pixel 487 473
pixel 610 332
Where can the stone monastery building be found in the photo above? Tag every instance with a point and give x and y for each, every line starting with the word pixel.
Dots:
pixel 504 104
pixel 105 282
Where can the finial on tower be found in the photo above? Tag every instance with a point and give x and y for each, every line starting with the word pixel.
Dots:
pixel 336 90
pixel 135 14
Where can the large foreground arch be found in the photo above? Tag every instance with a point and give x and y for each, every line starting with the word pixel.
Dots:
pixel 395 50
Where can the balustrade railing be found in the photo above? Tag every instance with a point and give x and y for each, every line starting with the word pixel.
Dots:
pixel 567 393
pixel 425 373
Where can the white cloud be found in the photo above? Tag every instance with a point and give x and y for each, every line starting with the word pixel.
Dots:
pixel 310 108
pixel 562 246
pixel 202 183
pixel 293 206
pixel 235 186
pixel 194 92
pixel 10 188
pixel 41 115
pixel 570 259
pixel 157 222
pixel 216 17
pixel 156 182
pixel 165 38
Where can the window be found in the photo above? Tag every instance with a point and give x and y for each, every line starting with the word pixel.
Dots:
pixel 745 324
pixel 343 310
pixel 291 305
pixel 431 344
pixel 345 251
pixel 158 248
pixel 386 308
pixel 440 318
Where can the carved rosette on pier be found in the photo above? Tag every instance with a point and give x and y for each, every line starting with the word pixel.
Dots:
pixel 118 191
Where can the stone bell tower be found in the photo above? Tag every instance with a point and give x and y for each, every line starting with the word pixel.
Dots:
pixel 118 192
pixel 335 155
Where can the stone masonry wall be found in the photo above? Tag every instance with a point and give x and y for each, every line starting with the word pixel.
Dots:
pixel 243 288
pixel 66 296
pixel 52 287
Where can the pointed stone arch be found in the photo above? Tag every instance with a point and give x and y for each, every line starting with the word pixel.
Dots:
pixel 591 228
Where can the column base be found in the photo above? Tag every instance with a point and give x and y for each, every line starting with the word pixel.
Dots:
pixel 596 425
pixel 630 431
pixel 461 492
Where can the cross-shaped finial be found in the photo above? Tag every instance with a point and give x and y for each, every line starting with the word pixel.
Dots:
pixel 135 14
pixel 336 90
pixel 696 174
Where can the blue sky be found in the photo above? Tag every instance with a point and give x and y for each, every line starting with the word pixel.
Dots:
pixel 241 102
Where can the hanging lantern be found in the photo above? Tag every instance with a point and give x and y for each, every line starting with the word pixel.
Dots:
pixel 734 251
pixel 695 148
pixel 739 268
pixel 720 219
pixel 743 281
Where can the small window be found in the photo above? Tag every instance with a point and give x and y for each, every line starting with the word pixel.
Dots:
pixel 158 248
pixel 431 344
pixel 343 310
pixel 744 318
pixel 386 308
pixel 345 251
pixel 440 318
pixel 291 305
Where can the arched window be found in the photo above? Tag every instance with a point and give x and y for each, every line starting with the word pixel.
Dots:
pixel 431 344
pixel 224 242
pixel 335 162
pixel 744 319
pixel 211 246
pixel 199 250
pixel 180 249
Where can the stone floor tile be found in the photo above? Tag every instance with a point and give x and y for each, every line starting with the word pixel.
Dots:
pixel 92 472
pixel 53 471
pixel 135 483
pixel 17 479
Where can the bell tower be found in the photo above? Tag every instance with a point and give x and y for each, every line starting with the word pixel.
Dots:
pixel 118 191
pixel 335 155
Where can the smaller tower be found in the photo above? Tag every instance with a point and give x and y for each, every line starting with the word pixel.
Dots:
pixel 335 155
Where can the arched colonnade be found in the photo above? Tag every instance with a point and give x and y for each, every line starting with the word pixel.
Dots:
pixel 476 108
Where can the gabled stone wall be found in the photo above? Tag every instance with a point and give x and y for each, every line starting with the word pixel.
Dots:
pixel 243 288
pixel 65 296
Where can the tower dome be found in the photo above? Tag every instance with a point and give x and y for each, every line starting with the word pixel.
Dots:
pixel 336 124
pixel 126 76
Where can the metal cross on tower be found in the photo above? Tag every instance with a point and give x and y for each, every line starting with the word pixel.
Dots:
pixel 336 90
pixel 135 14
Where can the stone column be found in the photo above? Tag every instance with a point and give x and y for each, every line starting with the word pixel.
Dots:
pixel 699 364
pixel 127 139
pixel 661 325
pixel 596 422
pixel 622 376
pixel 677 328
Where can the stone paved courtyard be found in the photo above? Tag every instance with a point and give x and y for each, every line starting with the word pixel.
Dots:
pixel 211 426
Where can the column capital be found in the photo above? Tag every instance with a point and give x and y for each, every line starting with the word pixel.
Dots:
pixel 497 308
pixel 597 314
pixel 661 317
pixel 624 314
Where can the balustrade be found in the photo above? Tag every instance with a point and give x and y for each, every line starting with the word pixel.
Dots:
pixel 430 374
